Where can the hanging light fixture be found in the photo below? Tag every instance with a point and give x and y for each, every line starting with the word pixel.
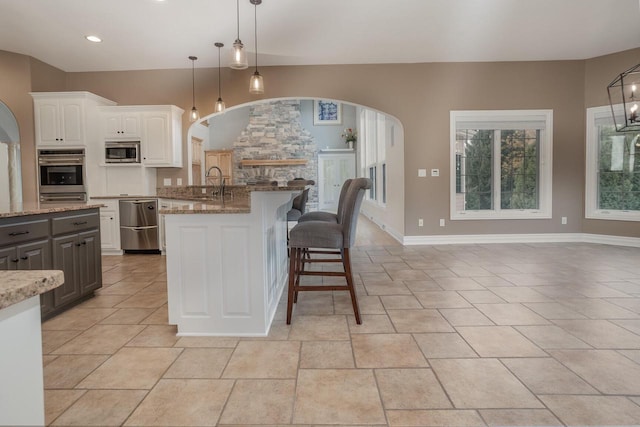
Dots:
pixel 239 59
pixel 623 90
pixel 194 115
pixel 256 84
pixel 219 107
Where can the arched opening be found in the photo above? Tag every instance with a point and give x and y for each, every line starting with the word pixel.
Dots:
pixel 10 170
pixel 282 129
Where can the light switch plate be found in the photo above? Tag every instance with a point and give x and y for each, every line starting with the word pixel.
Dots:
pixel 167 182
pixel 422 172
pixel 435 172
pixel 178 181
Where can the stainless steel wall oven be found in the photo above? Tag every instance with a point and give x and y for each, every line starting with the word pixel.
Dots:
pixel 61 175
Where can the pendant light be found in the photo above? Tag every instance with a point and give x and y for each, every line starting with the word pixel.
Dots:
pixel 194 115
pixel 623 90
pixel 219 107
pixel 239 59
pixel 256 84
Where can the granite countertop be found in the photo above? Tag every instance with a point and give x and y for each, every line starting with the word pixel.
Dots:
pixel 37 209
pixel 19 285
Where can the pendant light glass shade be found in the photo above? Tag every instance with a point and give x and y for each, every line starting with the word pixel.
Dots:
pixel 239 58
pixel 256 83
pixel 219 106
pixel 194 114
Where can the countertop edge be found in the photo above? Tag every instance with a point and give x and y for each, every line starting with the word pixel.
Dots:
pixel 19 285
pixel 50 209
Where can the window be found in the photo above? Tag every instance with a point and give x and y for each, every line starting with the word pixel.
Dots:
pixel 373 138
pixel 501 164
pixel 612 169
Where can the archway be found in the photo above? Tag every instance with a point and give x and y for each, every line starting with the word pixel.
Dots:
pixel 10 170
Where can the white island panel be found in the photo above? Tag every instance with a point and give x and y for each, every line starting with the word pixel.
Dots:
pixel 226 272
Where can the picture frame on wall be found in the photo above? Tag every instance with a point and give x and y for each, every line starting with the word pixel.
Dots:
pixel 327 112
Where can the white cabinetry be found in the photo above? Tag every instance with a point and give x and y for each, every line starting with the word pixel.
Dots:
pixel 61 117
pixel 333 170
pixel 109 227
pixel 162 137
pixel 120 123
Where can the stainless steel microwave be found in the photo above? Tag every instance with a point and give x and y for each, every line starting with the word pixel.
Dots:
pixel 122 152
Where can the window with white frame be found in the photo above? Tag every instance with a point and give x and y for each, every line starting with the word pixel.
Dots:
pixel 373 154
pixel 612 169
pixel 501 164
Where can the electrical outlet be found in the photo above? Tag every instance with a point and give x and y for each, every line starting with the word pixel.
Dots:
pixel 564 220
pixel 420 222
pixel 435 172
pixel 178 181
pixel 441 222
pixel 422 173
pixel 204 191
pixel 167 182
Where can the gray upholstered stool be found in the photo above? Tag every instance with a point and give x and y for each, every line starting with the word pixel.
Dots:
pixel 326 237
pixel 328 216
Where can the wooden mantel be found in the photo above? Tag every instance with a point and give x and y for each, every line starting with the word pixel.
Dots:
pixel 279 162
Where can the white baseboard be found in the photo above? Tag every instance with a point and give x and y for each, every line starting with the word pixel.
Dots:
pixel 522 238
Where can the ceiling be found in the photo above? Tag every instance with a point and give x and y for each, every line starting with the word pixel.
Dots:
pixel 153 34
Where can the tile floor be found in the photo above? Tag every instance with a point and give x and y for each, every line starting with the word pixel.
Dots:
pixel 461 335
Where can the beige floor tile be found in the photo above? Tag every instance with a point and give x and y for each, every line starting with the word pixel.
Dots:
pixel 400 302
pixel 519 417
pixel 465 317
pixel 100 339
pixel 606 370
pixel 424 320
pixel 441 299
pixel 519 294
pixel 547 376
pixel 313 328
pixel 631 354
pixel 77 319
pixel 632 325
pixel 326 355
pixel 551 337
pixel 387 351
pixel 386 287
pixel 68 371
pixel 127 316
pixel 141 300
pixel 221 342
pixel 312 303
pixel 482 383
pixel 264 359
pixel 391 266
pixel 593 410
pixel 124 287
pixel 132 368
pixel 344 396
pixel 410 389
pixel 439 346
pixel 408 275
pixel 46 359
pixel 101 408
pixel 371 324
pixel 601 333
pixel 193 402
pixel 155 336
pixel 492 281
pixel 632 304
pixel 554 311
pixel 595 308
pixel 204 363
pixel 470 271
pixel 159 317
pixel 435 418
pixel 437 273
pixel 422 285
pixel 57 401
pixel 499 341
pixel 103 301
pixel 511 314
pixel 51 340
pixel 155 287
pixel 458 284
pixel 260 402
pixel 481 297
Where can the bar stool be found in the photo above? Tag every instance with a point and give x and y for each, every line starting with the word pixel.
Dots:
pixel 328 216
pixel 325 237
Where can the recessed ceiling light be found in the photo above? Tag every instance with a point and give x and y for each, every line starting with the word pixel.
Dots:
pixel 94 39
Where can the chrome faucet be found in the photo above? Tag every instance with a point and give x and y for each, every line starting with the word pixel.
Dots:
pixel 220 189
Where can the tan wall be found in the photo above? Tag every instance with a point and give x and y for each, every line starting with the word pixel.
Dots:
pixel 420 96
pixel 599 72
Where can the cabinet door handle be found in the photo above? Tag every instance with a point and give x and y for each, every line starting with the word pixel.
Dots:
pixel 15 260
pixel 78 244
pixel 24 257
pixel 84 242
pixel 80 223
pixel 18 233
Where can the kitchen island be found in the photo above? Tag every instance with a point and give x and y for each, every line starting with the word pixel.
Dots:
pixel 21 388
pixel 227 262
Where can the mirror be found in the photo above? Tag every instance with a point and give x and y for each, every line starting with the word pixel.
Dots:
pixel 10 169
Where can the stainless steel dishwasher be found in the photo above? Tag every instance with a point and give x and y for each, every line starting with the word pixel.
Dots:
pixel 139 225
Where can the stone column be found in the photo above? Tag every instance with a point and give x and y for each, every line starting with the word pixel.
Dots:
pixel 15 177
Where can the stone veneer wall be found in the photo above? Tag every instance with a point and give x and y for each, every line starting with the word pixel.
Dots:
pixel 275 132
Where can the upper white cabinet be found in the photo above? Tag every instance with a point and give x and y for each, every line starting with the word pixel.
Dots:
pixel 120 123
pixel 61 117
pixel 162 137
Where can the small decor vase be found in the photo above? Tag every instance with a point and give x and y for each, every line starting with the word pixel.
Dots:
pixel 350 145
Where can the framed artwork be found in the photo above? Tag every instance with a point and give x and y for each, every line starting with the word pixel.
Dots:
pixel 327 112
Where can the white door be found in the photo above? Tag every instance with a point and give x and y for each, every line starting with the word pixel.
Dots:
pixel 333 170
